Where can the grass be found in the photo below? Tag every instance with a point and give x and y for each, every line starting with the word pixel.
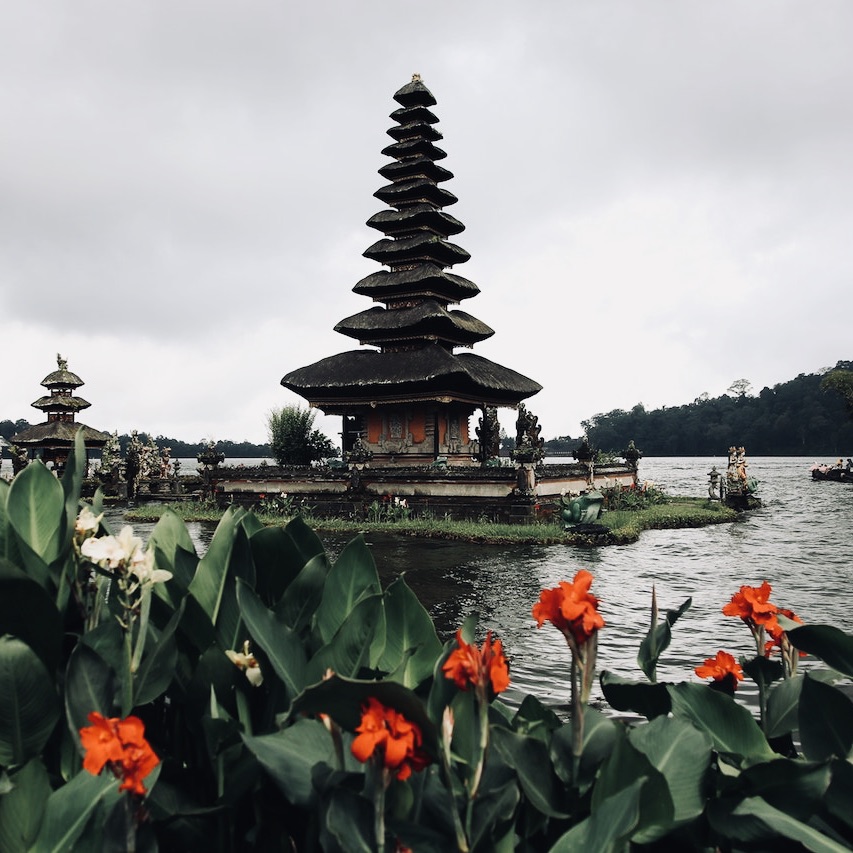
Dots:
pixel 623 526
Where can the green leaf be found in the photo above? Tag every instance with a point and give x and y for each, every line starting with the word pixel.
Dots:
pixel 280 644
pixel 782 703
pixel 347 653
pixel 794 786
pixel 410 637
pixel 28 612
pixel 624 765
pixel 493 808
pixel 650 700
pixel 174 547
pixel 8 545
pixel 826 721
pixel 609 827
pixel 290 755
pixel 301 598
pixel 22 808
pixel 305 543
pixel 36 511
pixel 69 809
pixel 529 757
pixel 753 819
pixel 535 719
pixel 29 707
pixel 347 823
pixel 277 562
pixel 72 483
pixel 761 669
pixel 682 755
pixel 827 643
pixel 657 640
pixel 352 578
pixel 90 685
pixel 158 663
pixel 731 727
pixel 600 734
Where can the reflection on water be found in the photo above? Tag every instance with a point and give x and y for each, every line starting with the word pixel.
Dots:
pixel 798 541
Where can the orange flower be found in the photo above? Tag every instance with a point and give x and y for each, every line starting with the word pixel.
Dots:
pixel 388 733
pixel 120 744
pixel 468 665
pixel 720 667
pixel 752 605
pixel 777 632
pixel 571 608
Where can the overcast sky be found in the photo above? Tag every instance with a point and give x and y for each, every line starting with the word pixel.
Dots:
pixel 658 195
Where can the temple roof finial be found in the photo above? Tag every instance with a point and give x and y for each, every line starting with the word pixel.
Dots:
pixel 416 78
pixel 62 363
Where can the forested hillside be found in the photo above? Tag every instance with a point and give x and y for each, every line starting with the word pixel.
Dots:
pixel 795 418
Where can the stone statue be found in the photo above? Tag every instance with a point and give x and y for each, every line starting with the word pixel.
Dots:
pixel 489 434
pixel 529 447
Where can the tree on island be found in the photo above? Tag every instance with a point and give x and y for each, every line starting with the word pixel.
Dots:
pixel 293 440
pixel 840 380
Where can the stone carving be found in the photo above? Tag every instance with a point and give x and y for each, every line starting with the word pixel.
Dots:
pixel 529 447
pixel 489 434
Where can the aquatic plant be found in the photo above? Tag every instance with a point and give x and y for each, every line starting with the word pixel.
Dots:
pixel 264 697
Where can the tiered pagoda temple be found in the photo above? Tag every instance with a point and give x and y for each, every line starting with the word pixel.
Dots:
pixel 53 440
pixel 408 399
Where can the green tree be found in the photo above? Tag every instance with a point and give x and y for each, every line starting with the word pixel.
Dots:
pixel 293 440
pixel 840 380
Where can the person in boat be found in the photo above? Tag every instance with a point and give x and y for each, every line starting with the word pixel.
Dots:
pixel 849 465
pixel 840 463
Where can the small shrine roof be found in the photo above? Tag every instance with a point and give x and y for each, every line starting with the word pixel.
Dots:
pixel 61 402
pixel 422 247
pixel 59 433
pixel 415 217
pixel 428 280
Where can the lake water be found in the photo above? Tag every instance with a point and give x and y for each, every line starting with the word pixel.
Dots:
pixel 798 540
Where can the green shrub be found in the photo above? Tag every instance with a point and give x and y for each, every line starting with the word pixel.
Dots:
pixel 293 440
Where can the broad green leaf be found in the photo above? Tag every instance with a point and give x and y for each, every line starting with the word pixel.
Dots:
pixel 208 584
pixel 600 734
pixel 732 727
pixel 649 700
pixel 158 663
pixel 306 543
pixel 410 637
pixel 28 612
pixel 625 765
pixel 352 578
pixel 36 511
pixel 8 548
pixel 826 642
pixel 70 808
pixel 301 598
pixel 609 827
pixel 90 685
pixel 755 820
pixel 657 639
pixel 228 557
pixel 762 670
pixel 289 756
pixel 280 644
pixel 347 653
pixel 826 721
pixel 493 808
pixel 794 786
pixel 840 794
pixel 782 704
pixel 535 719
pixel 347 823
pixel 29 706
pixel 529 757
pixel 277 562
pixel 72 483
pixel 682 755
pixel 174 549
pixel 22 808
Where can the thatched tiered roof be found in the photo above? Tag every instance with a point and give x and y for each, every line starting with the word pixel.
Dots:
pixel 415 329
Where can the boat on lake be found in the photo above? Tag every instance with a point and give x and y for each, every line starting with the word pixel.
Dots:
pixel 838 473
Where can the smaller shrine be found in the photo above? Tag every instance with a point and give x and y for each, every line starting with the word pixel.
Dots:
pixel 52 440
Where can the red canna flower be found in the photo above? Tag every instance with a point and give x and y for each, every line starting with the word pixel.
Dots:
pixel 469 666
pixel 121 745
pixel 720 667
pixel 777 632
pixel 386 732
pixel 752 604
pixel 571 608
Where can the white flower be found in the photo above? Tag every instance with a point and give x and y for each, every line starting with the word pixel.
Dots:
pixel 106 551
pixel 87 523
pixel 142 565
pixel 246 661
